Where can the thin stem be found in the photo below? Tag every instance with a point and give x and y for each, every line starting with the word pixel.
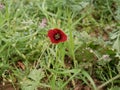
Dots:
pixel 110 9
pixel 112 79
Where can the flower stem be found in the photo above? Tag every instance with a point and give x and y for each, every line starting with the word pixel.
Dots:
pixel 112 79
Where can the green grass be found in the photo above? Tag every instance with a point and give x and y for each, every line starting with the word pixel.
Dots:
pixel 91 54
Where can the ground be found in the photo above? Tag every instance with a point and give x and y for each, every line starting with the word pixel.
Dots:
pixel 59 44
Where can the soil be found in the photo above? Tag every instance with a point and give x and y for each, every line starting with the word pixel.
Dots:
pixel 8 86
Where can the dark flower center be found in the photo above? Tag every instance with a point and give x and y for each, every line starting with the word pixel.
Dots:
pixel 57 36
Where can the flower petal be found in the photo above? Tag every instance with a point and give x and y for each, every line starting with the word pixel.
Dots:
pixel 53 32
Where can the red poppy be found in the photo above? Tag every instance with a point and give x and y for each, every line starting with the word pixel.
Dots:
pixel 56 36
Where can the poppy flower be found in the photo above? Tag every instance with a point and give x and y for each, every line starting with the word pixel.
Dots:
pixel 56 36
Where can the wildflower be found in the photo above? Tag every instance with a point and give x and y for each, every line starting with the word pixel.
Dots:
pixel 1 6
pixel 106 57
pixel 56 36
pixel 43 23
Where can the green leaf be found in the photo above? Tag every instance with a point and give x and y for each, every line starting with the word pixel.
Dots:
pixel 29 85
pixel 116 44
pixel 115 88
pixel 90 79
pixel 36 75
